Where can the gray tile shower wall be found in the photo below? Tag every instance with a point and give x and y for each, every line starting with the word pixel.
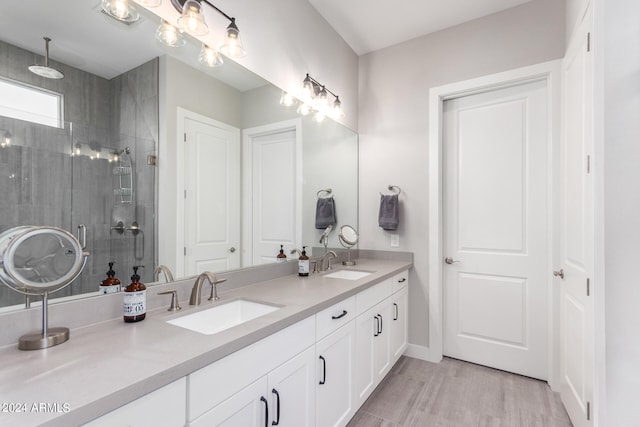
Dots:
pixel 42 184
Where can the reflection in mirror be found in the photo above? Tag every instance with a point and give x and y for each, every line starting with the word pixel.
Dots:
pixel 348 238
pixel 127 101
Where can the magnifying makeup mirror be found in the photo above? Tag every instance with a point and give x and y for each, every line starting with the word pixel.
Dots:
pixel 37 261
pixel 348 237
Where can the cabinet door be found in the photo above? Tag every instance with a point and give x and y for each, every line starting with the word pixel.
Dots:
pixel 247 408
pixel 399 323
pixel 382 341
pixel 292 392
pixel 334 361
pixel 364 373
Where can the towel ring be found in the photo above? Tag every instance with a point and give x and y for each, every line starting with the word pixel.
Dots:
pixel 396 190
pixel 326 190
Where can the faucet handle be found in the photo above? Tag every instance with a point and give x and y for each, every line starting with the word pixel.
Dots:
pixel 175 306
pixel 214 291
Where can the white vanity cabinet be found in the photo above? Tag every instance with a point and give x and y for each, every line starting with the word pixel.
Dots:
pixel 284 397
pixel 165 406
pixel 381 333
pixel 238 388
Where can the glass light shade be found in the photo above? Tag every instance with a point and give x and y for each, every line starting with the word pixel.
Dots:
pixel 321 100
pixel 232 45
pixel 319 116
pixel 336 110
pixel 304 108
pixel 169 35
pixel 122 10
pixel 6 139
pixel 209 57
pixel 287 99
pixel 192 19
pixel 149 3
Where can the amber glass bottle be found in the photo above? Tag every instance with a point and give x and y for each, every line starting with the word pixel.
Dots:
pixel 135 299
pixel 282 257
pixel 303 263
pixel 111 284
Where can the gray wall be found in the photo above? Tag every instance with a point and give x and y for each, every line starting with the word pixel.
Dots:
pixel 393 119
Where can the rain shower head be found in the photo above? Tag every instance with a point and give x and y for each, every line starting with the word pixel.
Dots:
pixel 44 70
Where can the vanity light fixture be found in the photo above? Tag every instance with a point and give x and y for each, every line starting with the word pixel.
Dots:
pixel 122 10
pixel 315 97
pixel 169 35
pixel 287 99
pixel 209 57
pixel 192 21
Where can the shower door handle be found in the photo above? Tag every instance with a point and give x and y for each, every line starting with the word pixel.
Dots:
pixel 82 235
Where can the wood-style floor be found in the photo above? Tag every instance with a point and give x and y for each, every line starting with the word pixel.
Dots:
pixel 456 393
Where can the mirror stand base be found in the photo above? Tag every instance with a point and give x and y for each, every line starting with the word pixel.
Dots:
pixel 54 336
pixel 349 263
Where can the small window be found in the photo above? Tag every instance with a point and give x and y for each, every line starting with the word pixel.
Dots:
pixel 30 103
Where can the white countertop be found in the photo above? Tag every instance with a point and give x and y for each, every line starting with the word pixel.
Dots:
pixel 106 365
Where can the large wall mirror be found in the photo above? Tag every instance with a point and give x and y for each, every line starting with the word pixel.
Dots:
pixel 152 158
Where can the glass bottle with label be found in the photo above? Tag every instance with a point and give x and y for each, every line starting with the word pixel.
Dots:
pixel 111 284
pixel 135 299
pixel 282 257
pixel 303 263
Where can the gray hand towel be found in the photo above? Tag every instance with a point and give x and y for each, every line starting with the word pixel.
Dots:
pixel 389 215
pixel 325 212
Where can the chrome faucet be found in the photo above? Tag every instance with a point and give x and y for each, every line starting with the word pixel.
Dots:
pixel 168 277
pixel 197 288
pixel 326 258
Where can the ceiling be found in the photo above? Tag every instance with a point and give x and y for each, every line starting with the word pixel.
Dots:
pixel 368 25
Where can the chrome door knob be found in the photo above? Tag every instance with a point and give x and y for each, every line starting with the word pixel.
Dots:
pixel 559 274
pixel 450 260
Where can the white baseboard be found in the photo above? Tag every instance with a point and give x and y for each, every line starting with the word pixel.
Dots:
pixel 419 352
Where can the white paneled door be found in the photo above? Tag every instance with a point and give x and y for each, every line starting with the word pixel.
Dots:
pixel 495 219
pixel 211 196
pixel 576 237
pixel 272 187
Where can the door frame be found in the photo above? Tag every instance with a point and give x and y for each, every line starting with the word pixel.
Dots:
pixel 183 114
pixel 549 72
pixel 246 207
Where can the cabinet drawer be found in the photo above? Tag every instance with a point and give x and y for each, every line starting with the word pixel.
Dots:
pixel 165 406
pixel 372 296
pixel 400 281
pixel 330 319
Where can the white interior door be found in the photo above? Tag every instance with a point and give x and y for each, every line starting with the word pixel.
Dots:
pixel 495 218
pixel 576 238
pixel 272 188
pixel 212 196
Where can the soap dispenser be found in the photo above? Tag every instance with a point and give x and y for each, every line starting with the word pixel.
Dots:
pixel 135 299
pixel 282 257
pixel 303 263
pixel 111 284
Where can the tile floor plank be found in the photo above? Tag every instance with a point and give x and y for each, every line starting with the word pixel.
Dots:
pixel 454 393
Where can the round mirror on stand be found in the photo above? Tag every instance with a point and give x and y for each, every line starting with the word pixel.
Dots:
pixel 348 237
pixel 37 261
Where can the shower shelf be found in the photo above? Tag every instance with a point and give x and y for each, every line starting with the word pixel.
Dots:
pixel 123 178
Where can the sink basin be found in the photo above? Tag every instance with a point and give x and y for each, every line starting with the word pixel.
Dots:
pixel 223 316
pixel 348 274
